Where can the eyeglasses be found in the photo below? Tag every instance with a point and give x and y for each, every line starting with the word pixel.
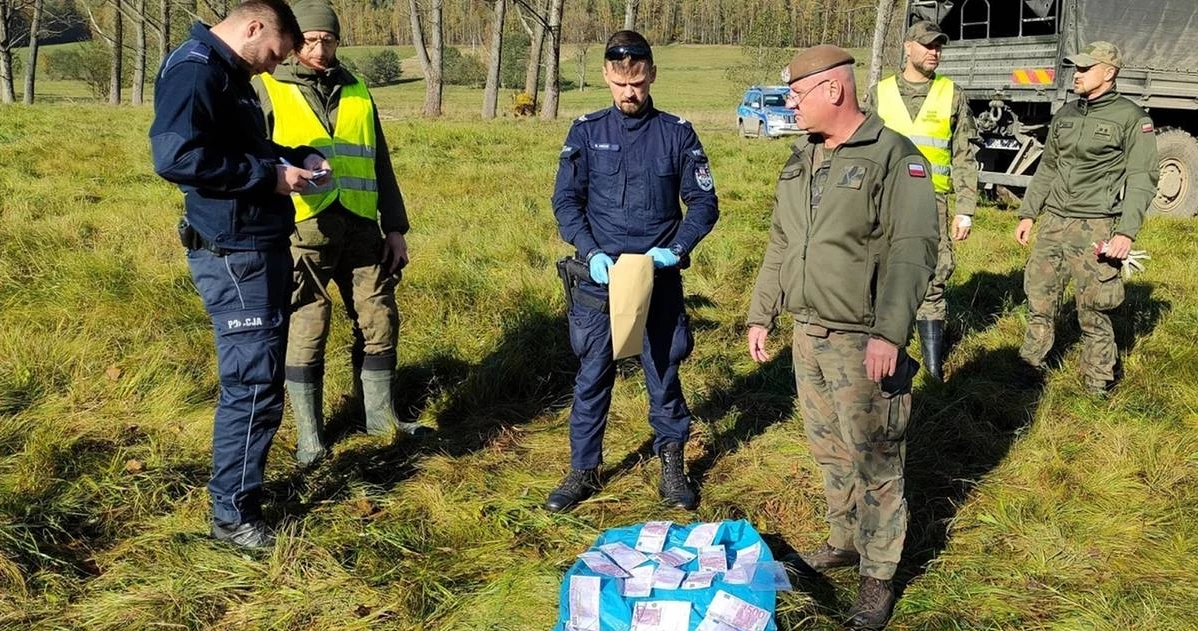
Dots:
pixel 635 51
pixel 327 40
pixel 797 97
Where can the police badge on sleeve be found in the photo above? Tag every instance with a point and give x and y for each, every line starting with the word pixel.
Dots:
pixel 703 176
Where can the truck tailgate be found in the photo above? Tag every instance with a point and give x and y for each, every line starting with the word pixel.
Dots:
pixel 985 65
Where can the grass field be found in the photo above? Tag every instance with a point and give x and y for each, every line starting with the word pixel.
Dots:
pixel 1030 510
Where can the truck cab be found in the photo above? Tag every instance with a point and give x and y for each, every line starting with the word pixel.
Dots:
pixel 1008 58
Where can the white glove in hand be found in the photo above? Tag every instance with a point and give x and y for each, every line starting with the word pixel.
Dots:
pixel 1133 262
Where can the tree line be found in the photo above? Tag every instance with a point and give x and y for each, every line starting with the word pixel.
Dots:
pixel 141 32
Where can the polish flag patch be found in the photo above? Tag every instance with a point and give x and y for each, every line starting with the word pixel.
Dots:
pixel 1146 128
pixel 915 169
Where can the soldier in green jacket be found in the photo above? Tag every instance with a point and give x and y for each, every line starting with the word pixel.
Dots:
pixel 930 110
pixel 350 232
pixel 1095 181
pixel 851 248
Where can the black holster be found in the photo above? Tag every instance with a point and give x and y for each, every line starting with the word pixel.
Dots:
pixel 572 271
pixel 192 240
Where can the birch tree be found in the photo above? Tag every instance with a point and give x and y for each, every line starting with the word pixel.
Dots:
pixel 491 95
pixel 35 27
pixel 429 54
pixel 553 66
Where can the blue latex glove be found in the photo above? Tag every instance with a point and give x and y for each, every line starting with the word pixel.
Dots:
pixel 599 265
pixel 663 257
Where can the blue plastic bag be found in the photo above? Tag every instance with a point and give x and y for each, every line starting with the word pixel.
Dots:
pixel 615 611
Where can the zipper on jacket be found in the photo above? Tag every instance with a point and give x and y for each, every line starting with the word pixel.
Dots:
pixel 807 237
pixel 1084 106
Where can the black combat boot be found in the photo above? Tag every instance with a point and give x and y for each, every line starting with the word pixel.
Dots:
pixel 875 600
pixel 674 488
pixel 931 338
pixel 828 557
pixel 578 485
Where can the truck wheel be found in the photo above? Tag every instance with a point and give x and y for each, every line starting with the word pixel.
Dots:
pixel 1177 191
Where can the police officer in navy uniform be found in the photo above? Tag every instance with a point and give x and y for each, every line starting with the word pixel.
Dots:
pixel 209 138
pixel 620 176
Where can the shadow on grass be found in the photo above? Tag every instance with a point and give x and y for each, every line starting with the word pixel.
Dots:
pixel 530 372
pixel 959 431
pixel 962 429
pixel 759 399
pixel 60 528
pixel 981 301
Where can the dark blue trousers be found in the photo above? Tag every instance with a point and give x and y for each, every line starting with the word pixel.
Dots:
pixel 246 294
pixel 668 341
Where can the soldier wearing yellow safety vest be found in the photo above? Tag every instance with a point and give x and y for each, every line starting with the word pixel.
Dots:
pixel 349 231
pixel 928 109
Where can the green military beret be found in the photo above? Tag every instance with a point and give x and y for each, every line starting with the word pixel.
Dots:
pixel 815 60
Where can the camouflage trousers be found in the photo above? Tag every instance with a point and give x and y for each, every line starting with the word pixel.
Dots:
pixel 1064 251
pixel 857 432
pixel 339 246
pixel 934 306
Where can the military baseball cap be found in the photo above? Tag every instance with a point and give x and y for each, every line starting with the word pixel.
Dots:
pixel 925 33
pixel 815 60
pixel 1097 52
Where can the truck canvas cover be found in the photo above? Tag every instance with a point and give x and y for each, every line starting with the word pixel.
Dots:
pixel 1153 34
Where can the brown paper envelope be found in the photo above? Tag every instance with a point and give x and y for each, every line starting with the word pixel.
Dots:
pixel 628 298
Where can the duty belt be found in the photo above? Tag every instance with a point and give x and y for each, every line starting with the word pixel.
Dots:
pixel 193 240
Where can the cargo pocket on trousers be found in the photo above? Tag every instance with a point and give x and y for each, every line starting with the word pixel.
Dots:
pixel 586 325
pixel 250 346
pixel 1105 291
pixel 683 342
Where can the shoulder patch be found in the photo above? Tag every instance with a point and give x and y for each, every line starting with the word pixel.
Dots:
pixel 698 155
pixel 915 169
pixel 1146 127
pixel 703 176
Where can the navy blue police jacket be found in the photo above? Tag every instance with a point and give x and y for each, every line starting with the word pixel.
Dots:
pixel 209 137
pixel 619 181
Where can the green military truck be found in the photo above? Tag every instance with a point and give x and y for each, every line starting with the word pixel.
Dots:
pixel 1008 57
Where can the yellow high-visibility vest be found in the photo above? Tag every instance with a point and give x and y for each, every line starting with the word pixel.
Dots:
pixel 931 131
pixel 350 149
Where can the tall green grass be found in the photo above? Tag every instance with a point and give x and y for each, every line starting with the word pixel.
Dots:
pixel 1030 510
